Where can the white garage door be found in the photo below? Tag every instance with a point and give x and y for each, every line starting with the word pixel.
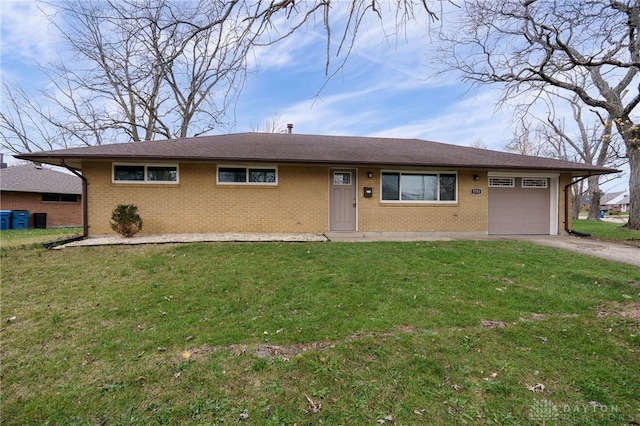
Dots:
pixel 519 205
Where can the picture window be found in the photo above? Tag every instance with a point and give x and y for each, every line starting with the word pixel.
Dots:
pixel 419 187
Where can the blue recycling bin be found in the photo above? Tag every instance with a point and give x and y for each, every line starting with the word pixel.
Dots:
pixel 19 219
pixel 5 219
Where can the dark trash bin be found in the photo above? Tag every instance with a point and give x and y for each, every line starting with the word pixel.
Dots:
pixel 5 219
pixel 40 220
pixel 20 219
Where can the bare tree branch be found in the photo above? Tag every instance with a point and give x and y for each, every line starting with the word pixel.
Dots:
pixel 588 49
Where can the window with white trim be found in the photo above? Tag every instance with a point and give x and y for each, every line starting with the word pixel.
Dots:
pixel 419 187
pixel 504 182
pixel 234 175
pixel 535 182
pixel 145 173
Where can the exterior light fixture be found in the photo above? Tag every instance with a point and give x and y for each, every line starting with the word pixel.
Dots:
pixel 369 175
pixel 476 177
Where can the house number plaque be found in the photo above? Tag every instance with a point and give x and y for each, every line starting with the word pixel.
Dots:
pixel 476 191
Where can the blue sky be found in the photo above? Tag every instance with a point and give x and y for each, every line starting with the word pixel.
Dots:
pixel 386 88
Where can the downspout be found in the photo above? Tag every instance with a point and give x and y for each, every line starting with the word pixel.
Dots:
pixel 566 210
pixel 85 202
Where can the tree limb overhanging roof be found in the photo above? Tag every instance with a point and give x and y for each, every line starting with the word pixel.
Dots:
pixel 311 149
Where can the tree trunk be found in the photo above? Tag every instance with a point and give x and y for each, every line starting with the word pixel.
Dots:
pixel 631 135
pixel 634 187
pixel 594 198
pixel 576 200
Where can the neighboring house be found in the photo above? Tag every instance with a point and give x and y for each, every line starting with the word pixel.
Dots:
pixel 274 182
pixel 615 201
pixel 42 190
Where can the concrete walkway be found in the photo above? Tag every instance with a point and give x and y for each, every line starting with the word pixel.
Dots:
pixel 616 252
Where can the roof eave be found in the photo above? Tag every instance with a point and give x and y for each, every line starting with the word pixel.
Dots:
pixel 75 161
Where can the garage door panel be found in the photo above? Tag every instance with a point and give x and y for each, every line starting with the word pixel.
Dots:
pixel 519 210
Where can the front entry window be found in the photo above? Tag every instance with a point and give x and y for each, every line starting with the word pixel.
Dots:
pixel 342 178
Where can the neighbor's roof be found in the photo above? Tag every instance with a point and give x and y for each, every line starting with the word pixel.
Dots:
pixel 32 178
pixel 615 198
pixel 311 149
pixel 610 196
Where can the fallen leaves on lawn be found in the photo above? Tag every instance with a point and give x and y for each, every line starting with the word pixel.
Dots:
pixel 537 388
pixel 385 419
pixel 314 406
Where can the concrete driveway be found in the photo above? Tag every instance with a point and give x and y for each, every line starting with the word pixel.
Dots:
pixel 610 251
pixel 585 245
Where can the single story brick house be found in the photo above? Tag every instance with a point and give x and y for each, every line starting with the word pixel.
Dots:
pixel 615 201
pixel 41 190
pixel 284 182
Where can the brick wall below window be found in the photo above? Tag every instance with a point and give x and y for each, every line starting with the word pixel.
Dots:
pixel 58 214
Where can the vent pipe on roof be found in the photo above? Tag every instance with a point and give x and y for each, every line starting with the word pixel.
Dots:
pixel 289 128
pixel 3 165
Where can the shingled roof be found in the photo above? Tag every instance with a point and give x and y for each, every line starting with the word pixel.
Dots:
pixel 311 149
pixel 32 178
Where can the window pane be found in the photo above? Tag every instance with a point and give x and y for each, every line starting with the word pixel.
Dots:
pixel 262 175
pixel 534 183
pixel 166 174
pixel 69 198
pixel 419 187
pixel 390 186
pixel 231 174
pixel 51 198
pixel 447 187
pixel 342 178
pixel 506 182
pixel 128 173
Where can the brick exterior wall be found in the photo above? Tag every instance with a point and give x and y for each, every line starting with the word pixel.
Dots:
pixel 197 204
pixel 58 214
pixel 299 203
pixel 467 215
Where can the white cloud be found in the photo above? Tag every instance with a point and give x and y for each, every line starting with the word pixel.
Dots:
pixel 26 32
pixel 461 123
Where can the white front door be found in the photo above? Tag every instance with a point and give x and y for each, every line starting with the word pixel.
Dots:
pixel 342 200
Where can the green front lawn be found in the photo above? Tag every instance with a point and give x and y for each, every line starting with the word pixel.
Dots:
pixel 11 238
pixel 463 332
pixel 608 231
